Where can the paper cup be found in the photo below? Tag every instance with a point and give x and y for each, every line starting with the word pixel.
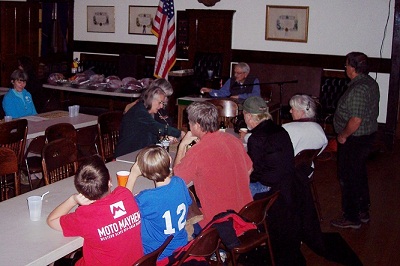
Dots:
pixel 243 129
pixel 76 110
pixel 122 178
pixel 35 207
pixel 71 111
pixel 7 118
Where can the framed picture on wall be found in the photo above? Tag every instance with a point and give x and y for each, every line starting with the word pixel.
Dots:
pixel 141 19
pixel 101 19
pixel 287 23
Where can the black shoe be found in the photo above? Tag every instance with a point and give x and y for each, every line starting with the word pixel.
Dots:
pixel 364 217
pixel 344 223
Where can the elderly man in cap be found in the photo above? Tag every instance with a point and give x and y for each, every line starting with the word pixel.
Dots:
pixel 271 151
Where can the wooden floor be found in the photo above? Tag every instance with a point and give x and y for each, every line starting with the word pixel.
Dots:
pixel 376 243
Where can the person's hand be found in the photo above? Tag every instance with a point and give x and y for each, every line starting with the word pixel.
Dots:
pixel 173 140
pixel 82 200
pixel 341 139
pixel 188 139
pixel 234 97
pixel 204 90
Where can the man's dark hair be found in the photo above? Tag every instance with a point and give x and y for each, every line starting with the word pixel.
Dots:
pixel 359 61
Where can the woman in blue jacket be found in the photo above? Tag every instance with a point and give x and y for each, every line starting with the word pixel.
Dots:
pixel 18 101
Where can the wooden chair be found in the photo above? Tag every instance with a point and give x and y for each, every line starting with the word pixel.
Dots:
pixel 87 138
pixel 33 157
pixel 13 135
pixel 151 258
pixel 59 160
pixel 306 158
pixel 227 111
pixel 256 212
pixel 61 130
pixel 204 245
pixel 108 127
pixel 8 167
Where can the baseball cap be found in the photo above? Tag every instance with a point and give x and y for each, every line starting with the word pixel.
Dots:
pixel 255 105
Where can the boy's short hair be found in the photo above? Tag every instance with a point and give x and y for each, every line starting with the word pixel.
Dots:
pixel 92 178
pixel 154 163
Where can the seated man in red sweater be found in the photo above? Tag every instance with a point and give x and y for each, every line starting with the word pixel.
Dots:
pixel 218 164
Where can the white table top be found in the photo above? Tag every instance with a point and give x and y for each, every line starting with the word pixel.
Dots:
pixel 24 242
pixel 37 124
pixel 100 91
pixel 3 91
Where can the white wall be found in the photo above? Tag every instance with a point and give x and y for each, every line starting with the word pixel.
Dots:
pixel 335 27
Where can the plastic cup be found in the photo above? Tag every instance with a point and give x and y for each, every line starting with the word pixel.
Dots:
pixel 76 110
pixel 122 178
pixel 35 207
pixel 7 118
pixel 71 111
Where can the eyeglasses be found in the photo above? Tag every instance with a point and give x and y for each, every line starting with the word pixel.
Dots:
pixel 238 73
pixel 21 80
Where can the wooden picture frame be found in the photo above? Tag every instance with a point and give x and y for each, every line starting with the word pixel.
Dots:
pixel 141 19
pixel 287 23
pixel 101 19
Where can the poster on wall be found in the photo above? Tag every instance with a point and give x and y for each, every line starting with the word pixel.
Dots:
pixel 287 23
pixel 100 19
pixel 141 19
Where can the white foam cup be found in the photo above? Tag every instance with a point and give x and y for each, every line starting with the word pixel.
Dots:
pixel 35 207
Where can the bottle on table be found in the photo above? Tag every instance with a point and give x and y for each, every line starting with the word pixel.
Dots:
pixel 222 126
pixel 165 140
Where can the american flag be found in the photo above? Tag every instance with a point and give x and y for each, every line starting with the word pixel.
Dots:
pixel 164 29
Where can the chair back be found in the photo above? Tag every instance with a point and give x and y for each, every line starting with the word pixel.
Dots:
pixel 8 166
pixel 305 157
pixel 227 110
pixel 108 127
pixel 204 245
pixel 13 135
pixel 151 258
pixel 87 138
pixel 257 210
pixel 33 157
pixel 61 130
pixel 59 160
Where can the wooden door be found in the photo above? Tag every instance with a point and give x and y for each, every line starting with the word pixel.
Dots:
pixel 19 26
pixel 210 31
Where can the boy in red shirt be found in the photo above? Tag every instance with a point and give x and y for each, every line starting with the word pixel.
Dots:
pixel 109 221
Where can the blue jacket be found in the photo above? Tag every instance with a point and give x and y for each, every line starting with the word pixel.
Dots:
pixel 17 107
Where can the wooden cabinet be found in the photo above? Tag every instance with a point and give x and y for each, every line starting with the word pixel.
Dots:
pixel 19 35
pixel 209 31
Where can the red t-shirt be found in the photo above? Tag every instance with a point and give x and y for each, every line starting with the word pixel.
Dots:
pixel 219 167
pixel 110 228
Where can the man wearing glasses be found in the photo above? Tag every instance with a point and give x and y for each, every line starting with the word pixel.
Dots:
pixel 239 87
pixel 18 101
pixel 355 122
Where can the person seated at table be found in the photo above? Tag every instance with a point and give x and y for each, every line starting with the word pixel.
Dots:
pixel 139 128
pixel 162 114
pixel 17 102
pixel 217 164
pixel 239 87
pixel 33 85
pixel 304 132
pixel 164 208
pixel 271 151
pixel 100 209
